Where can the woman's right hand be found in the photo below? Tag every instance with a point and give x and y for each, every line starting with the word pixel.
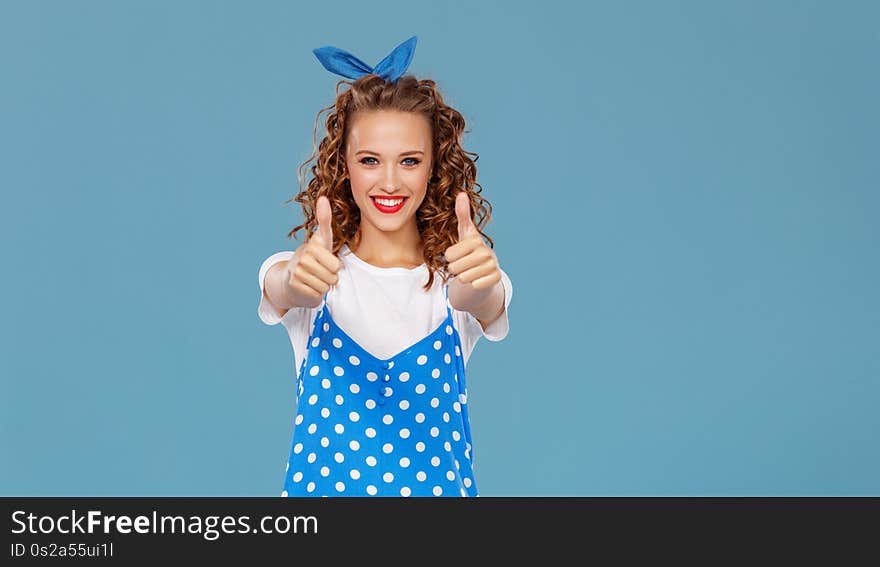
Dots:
pixel 314 268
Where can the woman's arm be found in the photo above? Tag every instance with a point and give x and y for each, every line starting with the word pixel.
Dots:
pixel 279 293
pixel 487 310
pixel 477 285
pixel 492 308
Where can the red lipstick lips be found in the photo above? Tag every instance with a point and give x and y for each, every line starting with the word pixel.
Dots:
pixel 388 209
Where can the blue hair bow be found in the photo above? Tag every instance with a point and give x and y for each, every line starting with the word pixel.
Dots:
pixel 343 63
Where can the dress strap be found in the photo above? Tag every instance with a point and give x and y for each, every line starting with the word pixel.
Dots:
pixel 448 306
pixel 324 305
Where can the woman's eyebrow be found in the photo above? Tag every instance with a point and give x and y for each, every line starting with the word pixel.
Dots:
pixel 377 153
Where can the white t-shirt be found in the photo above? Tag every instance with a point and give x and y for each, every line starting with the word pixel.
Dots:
pixel 385 310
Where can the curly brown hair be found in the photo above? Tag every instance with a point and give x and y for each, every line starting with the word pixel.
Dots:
pixel 453 171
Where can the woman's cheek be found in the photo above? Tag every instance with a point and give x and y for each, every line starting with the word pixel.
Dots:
pixel 420 180
pixel 360 185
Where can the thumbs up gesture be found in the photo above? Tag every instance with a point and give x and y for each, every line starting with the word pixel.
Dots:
pixel 314 268
pixel 475 286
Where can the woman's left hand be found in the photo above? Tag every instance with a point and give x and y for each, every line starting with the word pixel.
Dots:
pixel 476 287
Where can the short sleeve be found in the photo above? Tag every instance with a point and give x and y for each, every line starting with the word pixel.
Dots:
pixel 500 326
pixel 297 320
pixel 470 330
pixel 267 312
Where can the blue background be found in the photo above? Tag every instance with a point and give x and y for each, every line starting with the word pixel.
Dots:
pixel 685 197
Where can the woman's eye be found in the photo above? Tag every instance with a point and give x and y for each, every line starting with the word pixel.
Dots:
pixel 414 160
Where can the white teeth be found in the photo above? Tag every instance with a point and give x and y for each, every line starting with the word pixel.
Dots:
pixel 389 202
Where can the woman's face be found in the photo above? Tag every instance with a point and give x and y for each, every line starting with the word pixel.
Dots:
pixel 388 155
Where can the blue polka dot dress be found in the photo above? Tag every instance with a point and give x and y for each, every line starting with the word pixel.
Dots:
pixel 381 427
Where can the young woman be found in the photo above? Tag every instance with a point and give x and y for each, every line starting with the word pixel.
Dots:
pixel 386 299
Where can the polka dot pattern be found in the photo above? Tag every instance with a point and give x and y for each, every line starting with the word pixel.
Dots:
pixel 381 427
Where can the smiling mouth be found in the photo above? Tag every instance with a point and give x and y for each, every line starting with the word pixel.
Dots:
pixel 388 205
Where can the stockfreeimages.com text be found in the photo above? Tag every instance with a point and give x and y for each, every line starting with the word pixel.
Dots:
pixel 94 521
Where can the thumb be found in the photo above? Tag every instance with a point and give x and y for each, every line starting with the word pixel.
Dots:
pixel 466 226
pixel 325 222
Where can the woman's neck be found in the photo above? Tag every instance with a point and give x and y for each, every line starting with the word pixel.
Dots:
pixel 400 249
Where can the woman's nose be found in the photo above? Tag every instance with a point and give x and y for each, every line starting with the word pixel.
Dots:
pixel 390 179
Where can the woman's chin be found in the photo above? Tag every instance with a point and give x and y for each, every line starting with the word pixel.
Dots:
pixel 389 225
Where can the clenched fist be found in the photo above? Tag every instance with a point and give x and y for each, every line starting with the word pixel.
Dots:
pixel 314 268
pixel 475 287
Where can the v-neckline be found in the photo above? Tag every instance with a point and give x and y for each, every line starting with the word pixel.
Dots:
pixel 384 361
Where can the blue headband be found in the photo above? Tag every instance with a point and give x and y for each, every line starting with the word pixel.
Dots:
pixel 343 63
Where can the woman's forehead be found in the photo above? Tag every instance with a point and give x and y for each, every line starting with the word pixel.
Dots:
pixel 389 132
